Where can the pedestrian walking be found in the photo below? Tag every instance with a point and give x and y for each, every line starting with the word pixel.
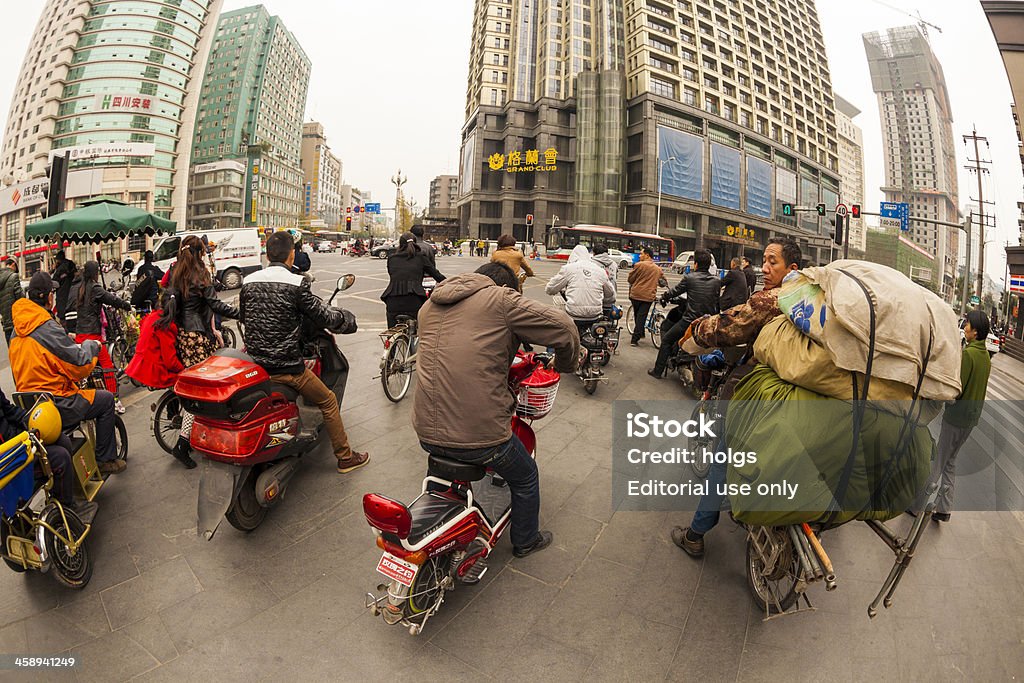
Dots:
pixel 961 416
pixel 643 280
pixel 63 274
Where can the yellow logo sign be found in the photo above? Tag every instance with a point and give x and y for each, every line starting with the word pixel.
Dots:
pixel 525 161
pixel 742 233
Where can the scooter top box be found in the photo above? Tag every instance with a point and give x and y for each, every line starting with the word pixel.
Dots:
pixel 223 387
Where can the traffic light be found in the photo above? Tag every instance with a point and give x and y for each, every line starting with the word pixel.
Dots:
pixel 854 210
pixel 529 220
pixel 840 224
pixel 821 210
pixel 787 209
pixel 57 174
pixel 348 223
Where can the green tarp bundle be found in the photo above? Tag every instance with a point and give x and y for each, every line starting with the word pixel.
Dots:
pixel 804 439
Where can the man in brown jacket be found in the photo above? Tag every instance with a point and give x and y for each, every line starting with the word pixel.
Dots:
pixel 469 332
pixel 643 290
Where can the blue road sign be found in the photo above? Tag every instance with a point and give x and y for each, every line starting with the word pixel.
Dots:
pixel 900 210
pixel 372 207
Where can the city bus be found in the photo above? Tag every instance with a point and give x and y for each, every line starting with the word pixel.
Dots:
pixel 562 239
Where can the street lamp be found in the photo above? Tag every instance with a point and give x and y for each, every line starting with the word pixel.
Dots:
pixel 661 169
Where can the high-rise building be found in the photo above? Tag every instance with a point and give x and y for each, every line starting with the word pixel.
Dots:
pixel 444 193
pixel 1006 18
pixel 851 167
pixel 251 108
pixel 918 145
pixel 321 171
pixel 585 110
pixel 113 84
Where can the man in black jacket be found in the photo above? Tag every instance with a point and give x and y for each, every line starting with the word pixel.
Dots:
pixel 735 290
pixel 63 274
pixel 702 296
pixel 10 291
pixel 426 247
pixel 748 272
pixel 274 303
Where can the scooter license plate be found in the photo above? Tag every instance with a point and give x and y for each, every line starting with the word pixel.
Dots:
pixel 397 569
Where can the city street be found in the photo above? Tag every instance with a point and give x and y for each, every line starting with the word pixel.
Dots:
pixel 612 599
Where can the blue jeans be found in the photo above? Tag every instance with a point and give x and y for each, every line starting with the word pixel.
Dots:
pixel 710 505
pixel 512 462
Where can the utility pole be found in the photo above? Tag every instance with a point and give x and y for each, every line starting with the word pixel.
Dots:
pixel 977 168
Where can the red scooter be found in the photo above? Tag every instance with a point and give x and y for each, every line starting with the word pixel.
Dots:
pixel 447 533
pixel 253 432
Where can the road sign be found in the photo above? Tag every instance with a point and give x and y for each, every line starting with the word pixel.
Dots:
pixel 900 210
pixel 372 207
pixel 841 210
pixel 891 223
pixel 975 300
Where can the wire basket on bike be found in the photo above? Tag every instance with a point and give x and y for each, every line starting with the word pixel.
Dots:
pixel 122 324
pixel 99 378
pixel 536 394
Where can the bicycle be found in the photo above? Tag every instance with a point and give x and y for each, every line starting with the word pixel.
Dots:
pixel 655 318
pixel 709 406
pixel 122 336
pixel 399 360
pixel 97 379
pixel 167 419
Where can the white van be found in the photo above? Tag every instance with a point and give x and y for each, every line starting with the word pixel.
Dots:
pixel 236 253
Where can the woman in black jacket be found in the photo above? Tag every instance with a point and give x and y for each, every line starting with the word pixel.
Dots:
pixel 83 316
pixel 190 304
pixel 407 267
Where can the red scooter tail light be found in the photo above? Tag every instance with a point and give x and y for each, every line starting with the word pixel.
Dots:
pixel 388 515
pixel 229 439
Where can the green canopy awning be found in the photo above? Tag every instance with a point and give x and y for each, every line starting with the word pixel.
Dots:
pixel 101 220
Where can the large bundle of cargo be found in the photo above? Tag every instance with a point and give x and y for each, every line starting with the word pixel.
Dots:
pixel 838 410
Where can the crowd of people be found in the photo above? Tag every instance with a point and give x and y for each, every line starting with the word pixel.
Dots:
pixel 56 338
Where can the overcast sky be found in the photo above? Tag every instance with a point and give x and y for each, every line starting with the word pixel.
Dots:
pixel 389 85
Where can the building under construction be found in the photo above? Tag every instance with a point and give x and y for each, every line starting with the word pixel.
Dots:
pixel 889 248
pixel 920 155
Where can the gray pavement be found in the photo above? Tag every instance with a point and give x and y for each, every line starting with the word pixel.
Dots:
pixel 613 599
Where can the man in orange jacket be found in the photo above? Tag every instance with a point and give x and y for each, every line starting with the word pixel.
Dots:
pixel 43 358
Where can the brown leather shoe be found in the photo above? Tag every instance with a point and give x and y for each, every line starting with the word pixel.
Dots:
pixel 691 543
pixel 112 467
pixel 352 462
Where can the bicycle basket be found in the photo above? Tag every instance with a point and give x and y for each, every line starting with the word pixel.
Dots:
pixel 17 480
pixel 98 378
pixel 537 394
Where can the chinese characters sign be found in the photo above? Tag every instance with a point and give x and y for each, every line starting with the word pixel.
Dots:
pixel 125 102
pixel 741 233
pixel 23 195
pixel 107 149
pixel 526 161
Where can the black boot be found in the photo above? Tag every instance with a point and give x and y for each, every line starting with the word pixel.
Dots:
pixel 182 453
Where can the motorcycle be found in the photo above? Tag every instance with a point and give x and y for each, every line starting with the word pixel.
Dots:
pixel 594 354
pixel 357 251
pixel 252 432
pixel 446 534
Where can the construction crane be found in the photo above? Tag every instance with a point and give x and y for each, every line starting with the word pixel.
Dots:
pixel 917 15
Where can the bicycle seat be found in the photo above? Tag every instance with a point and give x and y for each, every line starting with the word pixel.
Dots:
pixel 454 470
pixel 429 512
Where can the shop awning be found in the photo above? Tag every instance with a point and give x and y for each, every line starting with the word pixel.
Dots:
pixel 101 220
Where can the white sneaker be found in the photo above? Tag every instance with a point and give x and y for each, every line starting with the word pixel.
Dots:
pixel 119 407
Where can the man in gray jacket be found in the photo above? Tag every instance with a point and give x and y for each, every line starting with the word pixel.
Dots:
pixel 469 331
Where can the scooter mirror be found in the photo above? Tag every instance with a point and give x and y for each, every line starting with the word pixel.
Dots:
pixel 346 281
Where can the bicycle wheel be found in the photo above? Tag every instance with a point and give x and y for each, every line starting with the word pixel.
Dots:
pixel 655 328
pixel 120 439
pixel 396 375
pixel 630 322
pixel 772 586
pixel 120 355
pixel 230 340
pixel 697 444
pixel 167 421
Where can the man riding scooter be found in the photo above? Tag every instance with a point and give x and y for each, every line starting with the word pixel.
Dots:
pixel 586 288
pixel 702 291
pixel 274 304
pixel 463 408
pixel 43 358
